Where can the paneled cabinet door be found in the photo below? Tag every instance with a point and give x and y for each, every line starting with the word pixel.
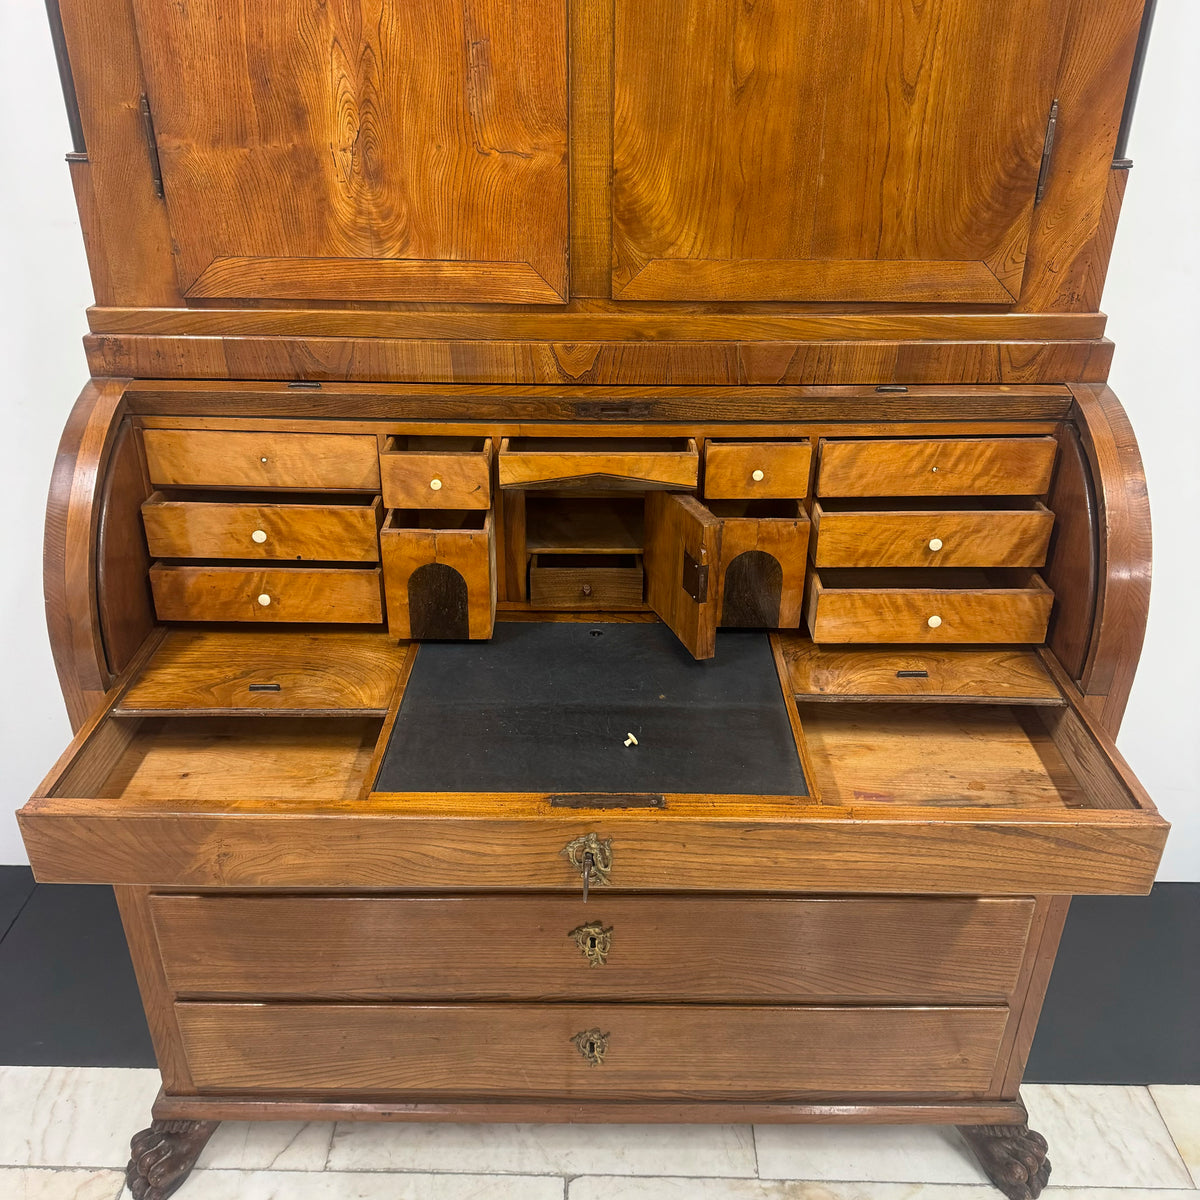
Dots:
pixel 362 149
pixel 874 150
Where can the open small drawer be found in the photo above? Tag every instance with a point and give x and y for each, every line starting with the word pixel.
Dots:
pixel 436 472
pixel 634 464
pixel 507 765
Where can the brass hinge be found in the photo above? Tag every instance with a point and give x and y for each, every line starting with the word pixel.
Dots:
pixel 152 147
pixel 695 579
pixel 1047 154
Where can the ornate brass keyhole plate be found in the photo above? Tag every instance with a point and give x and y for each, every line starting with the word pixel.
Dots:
pixel 599 866
pixel 593 1045
pixel 594 942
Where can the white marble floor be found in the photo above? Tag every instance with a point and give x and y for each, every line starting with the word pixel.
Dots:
pixel 64 1136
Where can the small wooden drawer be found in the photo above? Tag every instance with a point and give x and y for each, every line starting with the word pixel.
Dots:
pixel 880 949
pixel 764 551
pixel 439 573
pixel 637 464
pixel 949 604
pixel 591 1050
pixel 756 470
pixel 330 595
pixel 585 581
pixel 436 472
pixel 224 458
pixel 1005 466
pixel 197 525
pixel 854 533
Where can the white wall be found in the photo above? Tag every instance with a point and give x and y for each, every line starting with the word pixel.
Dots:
pixel 1151 298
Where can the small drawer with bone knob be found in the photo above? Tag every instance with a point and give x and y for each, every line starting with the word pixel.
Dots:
pixel 436 472
pixel 948 533
pixel 317 528
pixel 756 470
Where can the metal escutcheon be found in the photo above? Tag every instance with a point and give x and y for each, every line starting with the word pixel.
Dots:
pixel 594 942
pixel 592 856
pixel 593 1045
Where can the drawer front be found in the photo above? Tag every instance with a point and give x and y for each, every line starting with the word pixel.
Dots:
pixel 580 1050
pixel 323 594
pixel 317 532
pixel 633 463
pixel 931 538
pixel 220 458
pixel 756 470
pixel 432 478
pixel 881 950
pixel 879 614
pixel 591 581
pixel 1014 466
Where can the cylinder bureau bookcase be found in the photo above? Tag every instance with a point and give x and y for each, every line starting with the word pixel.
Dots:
pixel 597 571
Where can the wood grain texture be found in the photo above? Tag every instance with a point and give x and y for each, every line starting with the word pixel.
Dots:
pixel 981 676
pixel 201 670
pixel 642 462
pixel 928 607
pixel 518 1049
pixel 749 165
pixel 884 535
pixel 326 595
pixel 679 528
pixel 782 535
pixel 206 528
pixel 461 468
pixel 729 470
pixel 426 155
pixel 585 581
pixel 936 467
pixel 262 459
pixel 761 949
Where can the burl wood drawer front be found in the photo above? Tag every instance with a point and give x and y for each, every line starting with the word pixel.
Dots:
pixel 590 1050
pixel 1011 466
pixel 756 470
pixel 436 472
pixel 617 948
pixel 324 594
pixel 197 528
pixel 221 458
pixel 930 537
pixel 895 606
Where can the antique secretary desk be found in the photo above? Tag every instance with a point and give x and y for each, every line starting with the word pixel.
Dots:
pixel 597 570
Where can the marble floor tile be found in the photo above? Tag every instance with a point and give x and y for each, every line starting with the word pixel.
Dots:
pixel 1179 1107
pixel 43 1183
pixel 718 1150
pixel 329 1185
pixel 268 1146
pixel 1108 1137
pixel 900 1153
pixel 72 1116
pixel 588 1187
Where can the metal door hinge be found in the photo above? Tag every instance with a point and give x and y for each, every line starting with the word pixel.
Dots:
pixel 1047 153
pixel 695 578
pixel 152 147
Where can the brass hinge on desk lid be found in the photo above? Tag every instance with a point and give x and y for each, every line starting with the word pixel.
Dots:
pixel 152 147
pixel 1047 153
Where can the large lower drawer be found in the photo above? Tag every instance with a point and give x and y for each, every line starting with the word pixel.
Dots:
pixel 618 947
pixel 590 1050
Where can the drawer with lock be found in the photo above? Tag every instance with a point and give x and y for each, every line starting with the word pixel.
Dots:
pixel 318 527
pixel 436 472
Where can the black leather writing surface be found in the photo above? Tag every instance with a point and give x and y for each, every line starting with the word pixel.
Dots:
pixel 549 708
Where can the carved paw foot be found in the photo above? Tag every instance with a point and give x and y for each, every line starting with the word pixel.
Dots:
pixel 1012 1156
pixel 163 1156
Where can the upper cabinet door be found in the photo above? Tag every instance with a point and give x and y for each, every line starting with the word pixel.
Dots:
pixel 362 149
pixel 829 150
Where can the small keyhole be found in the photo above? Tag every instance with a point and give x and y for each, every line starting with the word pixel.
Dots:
pixel 592 942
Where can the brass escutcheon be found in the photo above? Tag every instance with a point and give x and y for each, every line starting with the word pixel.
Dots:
pixel 602 857
pixel 593 1045
pixel 594 942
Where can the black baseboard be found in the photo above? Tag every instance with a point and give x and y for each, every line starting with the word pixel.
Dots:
pixel 1121 1007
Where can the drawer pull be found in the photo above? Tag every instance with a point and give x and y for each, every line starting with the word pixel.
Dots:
pixel 594 942
pixel 757 476
pixel 435 485
pixel 586 589
pixel 934 621
pixel 592 857
pixel 259 536
pixel 263 459
pixel 593 1045
pixel 264 600
pixel 935 543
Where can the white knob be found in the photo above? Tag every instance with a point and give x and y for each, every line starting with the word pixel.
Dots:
pixel 263 459
pixel 259 536
pixel 757 476
pixel 934 470
pixel 264 600
pixel 934 621
pixel 935 543
pixel 436 484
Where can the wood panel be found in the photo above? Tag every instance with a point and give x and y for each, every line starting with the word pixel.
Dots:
pixel 529 1049
pixel 683 546
pixel 749 164
pixel 778 529
pixel 765 949
pixel 344 152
